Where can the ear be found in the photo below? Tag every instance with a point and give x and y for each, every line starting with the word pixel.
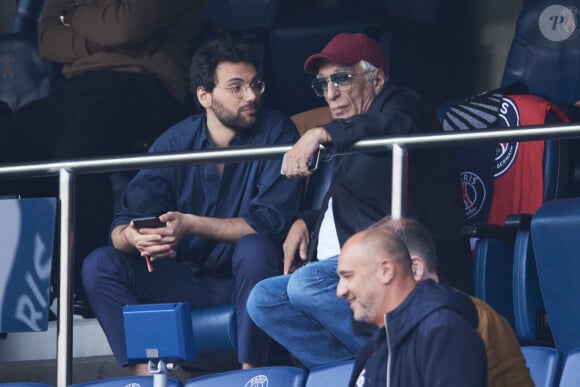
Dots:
pixel 203 96
pixel 418 267
pixel 387 270
pixel 379 81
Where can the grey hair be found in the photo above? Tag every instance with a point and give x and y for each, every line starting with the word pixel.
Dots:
pixel 369 70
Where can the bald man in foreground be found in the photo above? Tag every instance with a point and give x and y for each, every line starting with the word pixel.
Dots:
pixel 426 332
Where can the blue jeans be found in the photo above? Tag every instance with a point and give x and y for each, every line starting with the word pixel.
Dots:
pixel 302 312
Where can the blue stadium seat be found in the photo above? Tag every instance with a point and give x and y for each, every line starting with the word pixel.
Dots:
pixel 335 375
pixel 571 372
pixel 25 75
pixel 530 322
pixel 555 229
pixel 492 272
pixel 266 376
pixel 543 365
pixel 544 56
pixel 545 52
pixel 24 384
pixel 142 381
pixel 27 15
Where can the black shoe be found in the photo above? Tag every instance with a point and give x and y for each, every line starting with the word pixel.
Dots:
pixel 81 307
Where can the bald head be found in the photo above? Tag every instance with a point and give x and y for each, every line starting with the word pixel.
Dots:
pixel 374 270
pixel 415 236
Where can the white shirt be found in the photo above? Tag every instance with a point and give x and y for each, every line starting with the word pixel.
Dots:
pixel 328 244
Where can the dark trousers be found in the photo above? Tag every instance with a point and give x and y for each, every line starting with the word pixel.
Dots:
pixel 113 279
pixel 97 113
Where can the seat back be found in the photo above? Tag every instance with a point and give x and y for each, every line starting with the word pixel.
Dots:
pixel 336 374
pixel 530 322
pixel 27 15
pixel 571 372
pixel 24 75
pixel 266 376
pixel 142 381
pixel 555 228
pixel 492 275
pixel 543 365
pixel 545 52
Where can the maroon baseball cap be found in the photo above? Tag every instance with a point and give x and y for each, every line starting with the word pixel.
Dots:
pixel 348 49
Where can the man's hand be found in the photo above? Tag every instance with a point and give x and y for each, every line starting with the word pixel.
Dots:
pixel 297 241
pixel 296 159
pixel 157 242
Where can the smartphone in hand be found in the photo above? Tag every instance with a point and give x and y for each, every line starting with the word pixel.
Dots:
pixel 148 222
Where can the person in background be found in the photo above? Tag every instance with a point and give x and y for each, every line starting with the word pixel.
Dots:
pixel 506 365
pixel 125 65
pixel 426 332
pixel 301 311
pixel 222 225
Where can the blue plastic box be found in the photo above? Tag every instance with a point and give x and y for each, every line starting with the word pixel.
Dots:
pixel 159 332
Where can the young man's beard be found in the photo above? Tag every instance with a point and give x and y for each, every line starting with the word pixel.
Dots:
pixel 235 121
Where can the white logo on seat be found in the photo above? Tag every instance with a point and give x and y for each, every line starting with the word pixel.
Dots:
pixel 257 381
pixel 558 22
pixel 474 193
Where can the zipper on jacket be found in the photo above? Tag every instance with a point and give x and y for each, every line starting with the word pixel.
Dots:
pixel 388 370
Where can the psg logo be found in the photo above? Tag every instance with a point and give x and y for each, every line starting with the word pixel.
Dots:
pixel 506 152
pixel 473 191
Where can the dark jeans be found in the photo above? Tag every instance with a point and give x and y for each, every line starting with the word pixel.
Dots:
pixel 97 113
pixel 113 279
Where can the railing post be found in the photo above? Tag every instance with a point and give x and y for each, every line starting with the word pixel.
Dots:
pixel 66 278
pixel 398 182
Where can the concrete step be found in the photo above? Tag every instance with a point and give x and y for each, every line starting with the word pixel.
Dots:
pixel 31 356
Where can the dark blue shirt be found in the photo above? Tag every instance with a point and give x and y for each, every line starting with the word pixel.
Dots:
pixel 252 190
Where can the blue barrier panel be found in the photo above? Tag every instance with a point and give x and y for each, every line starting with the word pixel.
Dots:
pixel 26 236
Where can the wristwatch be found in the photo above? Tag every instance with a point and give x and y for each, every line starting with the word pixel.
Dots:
pixel 64 12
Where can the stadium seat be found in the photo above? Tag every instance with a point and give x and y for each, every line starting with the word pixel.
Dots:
pixel 544 54
pixel 24 384
pixel 492 272
pixel 555 228
pixel 142 381
pixel 335 375
pixel 571 372
pixel 27 15
pixel 543 365
pixel 25 75
pixel 266 376
pixel 530 321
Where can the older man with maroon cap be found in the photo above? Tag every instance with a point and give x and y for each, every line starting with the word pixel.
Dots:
pixel 301 311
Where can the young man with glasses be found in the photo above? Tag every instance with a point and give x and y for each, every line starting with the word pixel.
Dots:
pixel 222 225
pixel 301 311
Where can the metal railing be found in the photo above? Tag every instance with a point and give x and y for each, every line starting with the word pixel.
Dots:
pixel 66 170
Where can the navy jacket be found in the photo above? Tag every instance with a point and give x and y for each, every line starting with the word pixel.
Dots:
pixel 428 340
pixel 361 183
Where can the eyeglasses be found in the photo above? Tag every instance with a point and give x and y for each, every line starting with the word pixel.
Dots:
pixel 258 86
pixel 342 80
